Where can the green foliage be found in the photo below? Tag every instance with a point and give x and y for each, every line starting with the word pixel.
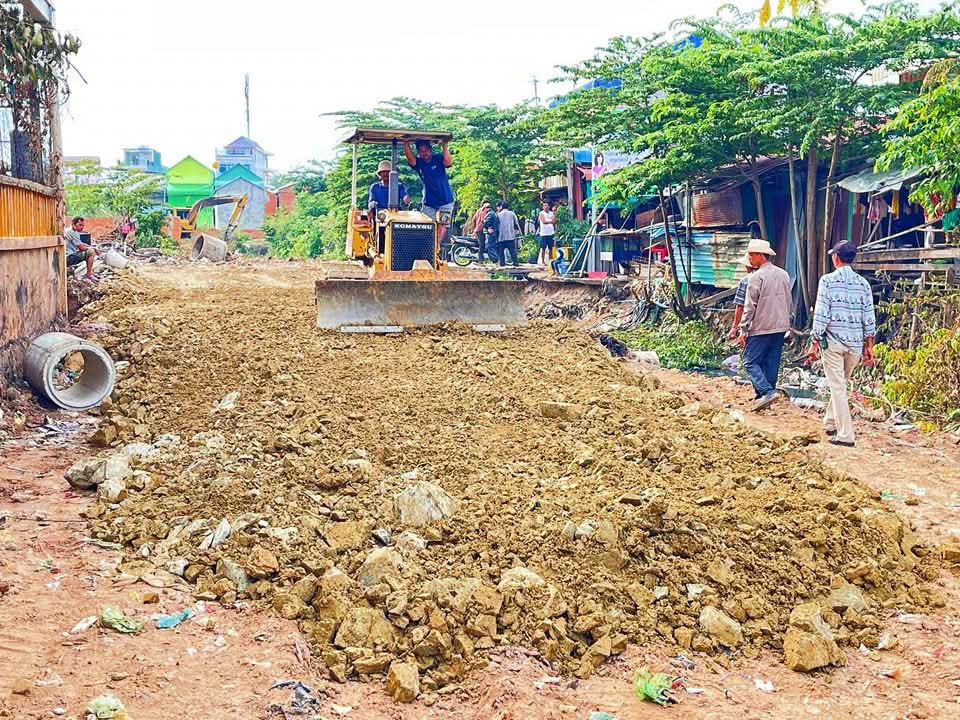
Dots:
pixel 681 345
pixel 567 226
pixel 925 134
pixel 122 192
pixel 82 196
pixel 529 248
pixel 304 231
pixel 31 55
pixel 150 228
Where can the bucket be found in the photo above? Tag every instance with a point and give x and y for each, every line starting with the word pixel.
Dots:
pixel 115 260
pixel 210 248
pixel 95 370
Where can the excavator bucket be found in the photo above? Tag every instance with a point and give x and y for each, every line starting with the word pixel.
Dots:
pixel 390 305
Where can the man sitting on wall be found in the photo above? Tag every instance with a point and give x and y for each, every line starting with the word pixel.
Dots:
pixel 77 250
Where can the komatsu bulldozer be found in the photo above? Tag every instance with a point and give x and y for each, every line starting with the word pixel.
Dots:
pixel 396 277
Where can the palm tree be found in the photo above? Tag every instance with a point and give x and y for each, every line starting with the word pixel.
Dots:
pixel 814 6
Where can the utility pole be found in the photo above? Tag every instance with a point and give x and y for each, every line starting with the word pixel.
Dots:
pixel 536 93
pixel 246 95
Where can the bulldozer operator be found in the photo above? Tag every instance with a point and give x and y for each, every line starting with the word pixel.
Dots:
pixel 379 194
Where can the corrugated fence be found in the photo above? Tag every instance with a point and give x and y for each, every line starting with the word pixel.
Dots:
pixel 33 290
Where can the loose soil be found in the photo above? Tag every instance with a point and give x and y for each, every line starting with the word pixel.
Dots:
pixel 327 430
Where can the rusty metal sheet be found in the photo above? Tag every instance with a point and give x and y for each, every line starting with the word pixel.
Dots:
pixel 718 209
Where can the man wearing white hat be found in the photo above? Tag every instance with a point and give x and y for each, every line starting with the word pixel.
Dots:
pixel 766 319
pixel 740 298
pixel 378 198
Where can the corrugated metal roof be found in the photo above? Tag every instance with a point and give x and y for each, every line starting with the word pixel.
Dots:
pixel 715 258
pixel 718 209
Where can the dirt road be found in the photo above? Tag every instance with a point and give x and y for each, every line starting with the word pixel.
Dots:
pixel 465 413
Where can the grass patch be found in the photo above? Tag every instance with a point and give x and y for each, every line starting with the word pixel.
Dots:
pixel 680 345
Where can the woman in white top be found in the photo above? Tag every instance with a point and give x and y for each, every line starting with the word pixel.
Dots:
pixel 546 219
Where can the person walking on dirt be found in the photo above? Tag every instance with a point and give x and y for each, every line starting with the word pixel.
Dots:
pixel 545 221
pixel 509 228
pixel 844 325
pixel 740 299
pixel 77 250
pixel 432 169
pixel 766 319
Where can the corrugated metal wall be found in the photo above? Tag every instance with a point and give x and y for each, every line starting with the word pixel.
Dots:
pixel 715 258
pixel 718 209
pixel 32 266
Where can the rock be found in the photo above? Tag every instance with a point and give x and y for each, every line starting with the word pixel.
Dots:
pixel 683 636
pixel 305 588
pixel 359 468
pixel 348 535
pixel 105 435
pixel 115 468
pixel 219 534
pixel 424 503
pixel 804 651
pixel 150 598
pixel 262 563
pixel 561 410
pixel 290 607
pixel 22 687
pixel 809 642
pixel 139 451
pixel 569 530
pixel 585 529
pixel 177 566
pixel 706 500
pixel 371 664
pixel 720 571
pixel 380 564
pixel 950 552
pixel 720 626
pixel 381 535
pixel 641 596
pixel 396 602
pixel 846 596
pixel 112 490
pixel 606 533
pixel 410 543
pixel 365 628
pixel 80 475
pixel 518 578
pixel 403 681
pixel 234 572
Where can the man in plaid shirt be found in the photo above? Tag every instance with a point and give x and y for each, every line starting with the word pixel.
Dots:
pixel 844 325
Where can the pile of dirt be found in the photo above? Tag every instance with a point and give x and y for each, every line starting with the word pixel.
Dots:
pixel 424 497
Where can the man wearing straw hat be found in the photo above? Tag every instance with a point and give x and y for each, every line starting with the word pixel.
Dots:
pixel 766 319
pixel 379 195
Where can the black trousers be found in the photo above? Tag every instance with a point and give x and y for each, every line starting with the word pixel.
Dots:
pixel 504 247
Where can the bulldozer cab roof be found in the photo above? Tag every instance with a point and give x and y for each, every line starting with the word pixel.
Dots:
pixel 386 136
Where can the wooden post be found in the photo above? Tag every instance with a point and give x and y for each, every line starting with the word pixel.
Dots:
pixel 810 239
pixel 673 261
pixel 801 260
pixel 688 199
pixel 56 181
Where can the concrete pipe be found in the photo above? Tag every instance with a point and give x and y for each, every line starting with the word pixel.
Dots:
pixel 90 388
pixel 209 247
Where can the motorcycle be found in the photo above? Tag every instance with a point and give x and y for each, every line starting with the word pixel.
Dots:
pixel 465 250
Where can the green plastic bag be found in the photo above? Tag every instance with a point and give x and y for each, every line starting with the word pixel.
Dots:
pixel 655 687
pixel 106 707
pixel 115 620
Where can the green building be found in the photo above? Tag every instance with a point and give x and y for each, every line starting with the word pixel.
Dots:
pixel 187 182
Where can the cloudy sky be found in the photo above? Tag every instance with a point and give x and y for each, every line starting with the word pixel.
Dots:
pixel 170 74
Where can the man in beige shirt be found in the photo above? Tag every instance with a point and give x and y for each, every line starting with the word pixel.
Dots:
pixel 766 319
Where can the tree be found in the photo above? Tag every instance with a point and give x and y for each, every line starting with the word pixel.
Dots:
pixel 84 195
pixel 925 134
pixel 796 6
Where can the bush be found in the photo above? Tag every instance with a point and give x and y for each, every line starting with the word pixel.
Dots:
pixel 681 345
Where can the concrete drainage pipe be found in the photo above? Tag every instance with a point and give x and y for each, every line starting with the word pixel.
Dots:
pixel 209 247
pixel 72 372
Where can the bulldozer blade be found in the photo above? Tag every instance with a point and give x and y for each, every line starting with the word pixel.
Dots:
pixel 390 305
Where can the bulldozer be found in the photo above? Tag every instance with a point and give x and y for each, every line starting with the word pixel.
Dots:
pixel 395 277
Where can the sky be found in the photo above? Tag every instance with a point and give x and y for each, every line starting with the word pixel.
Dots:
pixel 170 74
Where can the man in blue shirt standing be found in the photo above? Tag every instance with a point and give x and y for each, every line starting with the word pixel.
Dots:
pixel 844 324
pixel 432 169
pixel 379 196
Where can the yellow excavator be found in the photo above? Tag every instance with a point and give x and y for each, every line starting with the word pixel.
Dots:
pixel 190 231
pixel 395 277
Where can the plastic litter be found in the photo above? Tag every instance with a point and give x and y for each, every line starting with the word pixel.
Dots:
pixel 654 687
pixel 115 620
pixel 599 715
pixel 763 685
pixel 106 707
pixel 341 709
pixel 171 621
pixel 683 661
pixel 50 679
pixel 304 700
pixel 84 625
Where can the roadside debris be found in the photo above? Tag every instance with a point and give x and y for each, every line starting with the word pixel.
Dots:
pixel 115 620
pixel 84 625
pixel 303 702
pixel 656 687
pixel 106 707
pixel 171 621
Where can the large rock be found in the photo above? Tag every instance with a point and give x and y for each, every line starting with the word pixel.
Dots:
pixel 80 474
pixel 366 628
pixel 116 468
pixel 380 564
pixel 403 681
pixel 809 643
pixel 846 596
pixel 720 626
pixel 519 578
pixel 262 563
pixel 424 503
pixel 347 535
pixel 232 571
pixel 561 410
